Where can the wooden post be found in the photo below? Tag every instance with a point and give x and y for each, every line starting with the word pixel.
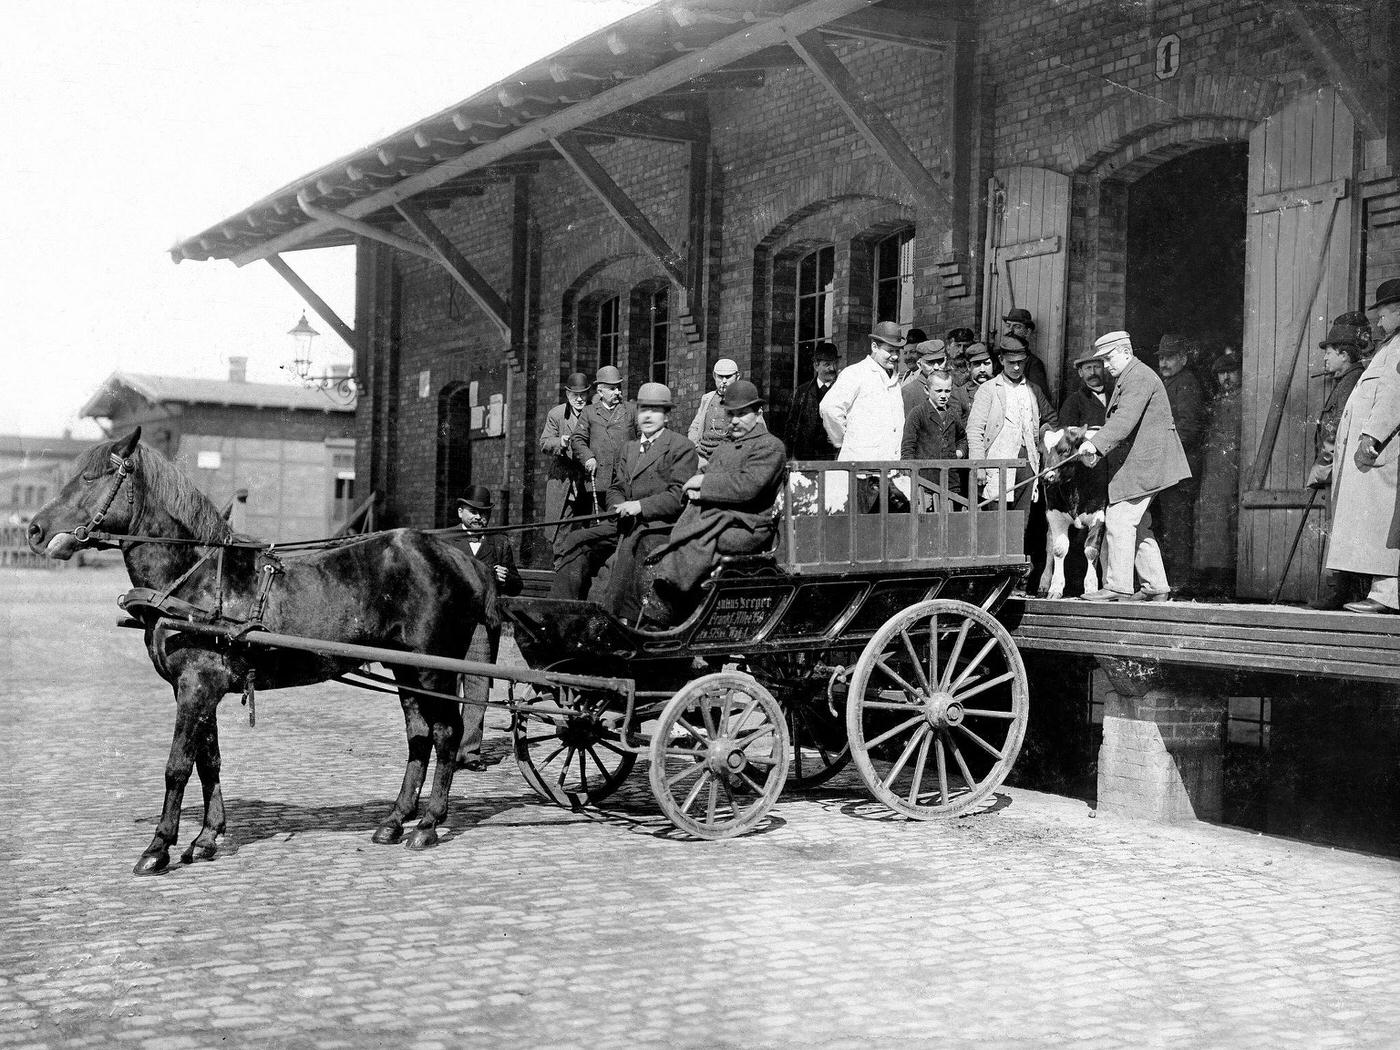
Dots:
pixel 452 260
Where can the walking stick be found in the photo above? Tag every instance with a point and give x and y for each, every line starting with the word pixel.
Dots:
pixel 1288 562
pixel 1022 484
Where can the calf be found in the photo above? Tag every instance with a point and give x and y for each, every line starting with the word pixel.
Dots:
pixel 1075 498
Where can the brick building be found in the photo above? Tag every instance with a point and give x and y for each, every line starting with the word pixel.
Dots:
pixel 290 448
pixel 729 178
pixel 32 470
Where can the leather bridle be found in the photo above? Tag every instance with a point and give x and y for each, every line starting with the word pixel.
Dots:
pixel 125 468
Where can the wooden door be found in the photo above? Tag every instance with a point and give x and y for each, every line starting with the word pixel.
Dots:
pixel 1298 275
pixel 1028 261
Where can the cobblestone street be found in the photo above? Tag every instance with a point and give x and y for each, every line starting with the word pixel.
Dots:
pixel 1032 925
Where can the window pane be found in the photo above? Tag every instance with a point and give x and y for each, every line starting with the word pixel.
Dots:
pixel 826 266
pixel 807 275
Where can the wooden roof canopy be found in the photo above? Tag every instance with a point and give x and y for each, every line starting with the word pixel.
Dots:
pixel 637 78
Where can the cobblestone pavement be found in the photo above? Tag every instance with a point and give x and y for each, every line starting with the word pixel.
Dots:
pixel 1029 926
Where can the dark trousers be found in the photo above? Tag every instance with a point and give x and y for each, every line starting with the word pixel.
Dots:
pixel 1175 515
pixel 586 552
pixel 631 577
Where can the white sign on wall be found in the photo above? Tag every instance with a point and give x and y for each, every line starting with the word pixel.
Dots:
pixel 425 383
pixel 209 461
pixel 1168 57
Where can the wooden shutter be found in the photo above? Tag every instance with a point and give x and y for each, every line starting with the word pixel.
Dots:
pixel 1029 257
pixel 1298 275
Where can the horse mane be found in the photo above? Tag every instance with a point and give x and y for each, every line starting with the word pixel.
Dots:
pixel 168 485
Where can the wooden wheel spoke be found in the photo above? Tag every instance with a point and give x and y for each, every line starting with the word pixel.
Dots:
pixel 1009 716
pixel 568 764
pixel 919 769
pixel 710 802
pixel 694 792
pixel 967 776
pixel 891 705
pixel 722 718
pixel 982 687
pixel 707 715
pixel 753 706
pixel 688 771
pixel 583 770
pixel 952 663
pixel 974 663
pixel 541 739
pixel 915 662
pixel 598 762
pixel 693 731
pixel 933 648
pixel 877 741
pixel 757 788
pixel 611 747
pixel 979 742
pixel 942 760
pixel 760 760
pixel 734 806
pixel 904 756
pixel 767 729
pixel 555 754
pixel 690 755
pixel 880 663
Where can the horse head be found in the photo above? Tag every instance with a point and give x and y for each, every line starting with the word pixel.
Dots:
pixel 100 493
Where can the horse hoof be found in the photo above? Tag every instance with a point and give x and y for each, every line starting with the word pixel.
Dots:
pixel 152 863
pixel 387 835
pixel 423 838
pixel 194 852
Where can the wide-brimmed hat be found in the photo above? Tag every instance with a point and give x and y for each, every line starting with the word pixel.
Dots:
pixel 1229 361
pixel 888 332
pixel 610 375
pixel 1019 316
pixel 741 395
pixel 1173 346
pixel 978 352
pixel 1388 292
pixel 577 383
pixel 477 497
pixel 932 350
pixel 654 395
pixel 726 367
pixel 1111 341
pixel 1343 335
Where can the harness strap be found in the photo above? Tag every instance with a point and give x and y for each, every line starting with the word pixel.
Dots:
pixel 270 569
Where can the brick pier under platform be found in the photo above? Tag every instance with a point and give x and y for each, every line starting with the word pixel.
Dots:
pixel 1171 669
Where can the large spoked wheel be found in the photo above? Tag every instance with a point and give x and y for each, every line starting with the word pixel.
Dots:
pixel 937 709
pixel 572 758
pixel 818 733
pixel 719 755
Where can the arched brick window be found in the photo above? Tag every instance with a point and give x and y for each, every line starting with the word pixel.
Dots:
pixel 816 303
pixel 649 329
pixel 893 291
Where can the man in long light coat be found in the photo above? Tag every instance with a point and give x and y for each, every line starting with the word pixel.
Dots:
pixel 555 438
pixel 1138 438
pixel 1007 416
pixel 864 411
pixel 1365 532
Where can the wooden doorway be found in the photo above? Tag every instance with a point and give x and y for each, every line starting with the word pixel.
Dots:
pixel 454 451
pixel 1301 230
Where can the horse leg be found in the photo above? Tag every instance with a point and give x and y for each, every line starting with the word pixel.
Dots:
pixel 447 737
pixel 1058 525
pixel 207 763
pixel 1093 542
pixel 196 701
pixel 390 829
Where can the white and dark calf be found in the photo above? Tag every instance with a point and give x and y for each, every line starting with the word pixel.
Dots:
pixel 1076 497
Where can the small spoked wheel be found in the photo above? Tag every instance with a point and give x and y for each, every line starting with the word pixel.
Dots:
pixel 800 682
pixel 572 758
pixel 719 755
pixel 937 709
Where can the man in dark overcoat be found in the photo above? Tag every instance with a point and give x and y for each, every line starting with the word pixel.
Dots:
pixel 1176 506
pixel 1144 456
pixel 731 504
pixel 597 442
pixel 1087 404
pixel 806 436
pixel 493 551
pixel 1341 361
pixel 561 481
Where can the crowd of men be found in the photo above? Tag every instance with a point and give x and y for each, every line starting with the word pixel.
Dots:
pixel 647 512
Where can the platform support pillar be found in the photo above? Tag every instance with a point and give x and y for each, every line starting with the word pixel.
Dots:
pixel 1163 744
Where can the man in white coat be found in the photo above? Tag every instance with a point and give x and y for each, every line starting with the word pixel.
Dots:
pixel 863 412
pixel 1365 530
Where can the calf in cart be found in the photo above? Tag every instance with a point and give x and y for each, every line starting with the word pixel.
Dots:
pixel 1076 498
pixel 198 588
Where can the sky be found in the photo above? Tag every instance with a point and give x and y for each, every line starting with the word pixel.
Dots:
pixel 129 125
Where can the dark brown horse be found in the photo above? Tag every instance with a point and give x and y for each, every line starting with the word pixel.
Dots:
pixel 401 590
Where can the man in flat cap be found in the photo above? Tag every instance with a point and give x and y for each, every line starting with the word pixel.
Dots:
pixel 1365 524
pixel 1176 506
pixel 1341 362
pixel 908 364
pixel 806 436
pixel 1087 404
pixel 1144 456
pixel 1008 414
pixel 597 440
pixel 1020 325
pixel 731 506
pixel 710 426
pixel 562 473
pixel 494 551
pixel 980 367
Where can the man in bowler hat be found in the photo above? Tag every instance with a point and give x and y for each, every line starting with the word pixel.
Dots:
pixel 562 478
pixel 806 436
pixel 597 440
pixel 494 551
